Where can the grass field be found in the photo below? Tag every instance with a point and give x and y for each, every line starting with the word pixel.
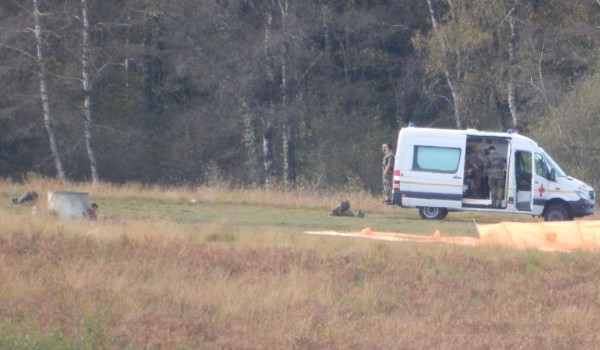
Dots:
pixel 214 268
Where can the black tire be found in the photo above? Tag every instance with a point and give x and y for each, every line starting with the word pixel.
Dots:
pixel 432 213
pixel 557 212
pixel 445 214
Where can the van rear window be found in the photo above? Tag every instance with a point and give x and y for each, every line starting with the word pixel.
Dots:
pixel 436 159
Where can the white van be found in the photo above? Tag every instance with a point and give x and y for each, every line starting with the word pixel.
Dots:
pixel 429 174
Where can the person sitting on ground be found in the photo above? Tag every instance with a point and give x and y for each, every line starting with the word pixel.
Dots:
pixel 27 197
pixel 90 212
pixel 344 210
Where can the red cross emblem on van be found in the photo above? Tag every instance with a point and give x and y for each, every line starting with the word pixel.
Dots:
pixel 541 190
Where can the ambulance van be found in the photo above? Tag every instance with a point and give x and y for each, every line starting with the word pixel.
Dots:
pixel 433 173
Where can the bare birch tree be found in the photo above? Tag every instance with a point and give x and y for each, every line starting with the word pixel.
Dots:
pixel 87 104
pixel 269 127
pixel 286 129
pixel 444 50
pixel 250 143
pixel 512 66
pixel 48 122
pixel 277 51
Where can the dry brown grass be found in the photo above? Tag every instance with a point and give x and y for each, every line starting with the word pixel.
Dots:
pixel 152 282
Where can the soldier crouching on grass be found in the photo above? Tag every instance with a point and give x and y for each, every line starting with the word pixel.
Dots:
pixel 90 212
pixel 27 197
pixel 344 210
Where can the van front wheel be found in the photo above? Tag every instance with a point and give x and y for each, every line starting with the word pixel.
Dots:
pixel 432 213
pixel 557 212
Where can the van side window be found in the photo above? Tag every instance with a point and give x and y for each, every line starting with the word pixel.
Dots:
pixel 523 170
pixel 436 159
pixel 541 168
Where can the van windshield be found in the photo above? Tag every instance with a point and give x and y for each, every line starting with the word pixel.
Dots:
pixel 557 170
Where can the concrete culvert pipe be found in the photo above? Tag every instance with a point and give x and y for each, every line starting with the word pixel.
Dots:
pixel 68 205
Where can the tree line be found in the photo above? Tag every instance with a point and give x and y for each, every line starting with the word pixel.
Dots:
pixel 285 92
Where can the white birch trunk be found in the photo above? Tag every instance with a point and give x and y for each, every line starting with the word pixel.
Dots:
pixel 269 163
pixel 267 43
pixel 286 130
pixel 44 91
pixel 127 52
pixel 326 18
pixel 512 101
pixel 455 95
pixel 87 105
pixel 250 144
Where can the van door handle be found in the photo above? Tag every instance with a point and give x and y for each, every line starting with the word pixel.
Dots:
pixel 457 177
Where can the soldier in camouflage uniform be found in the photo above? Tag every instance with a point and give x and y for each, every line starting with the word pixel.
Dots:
pixel 344 210
pixel 27 197
pixel 495 169
pixel 387 168
pixel 473 172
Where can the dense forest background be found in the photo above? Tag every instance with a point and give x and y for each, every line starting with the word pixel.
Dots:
pixel 286 92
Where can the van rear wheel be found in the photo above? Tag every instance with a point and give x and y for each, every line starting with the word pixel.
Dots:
pixel 432 213
pixel 557 212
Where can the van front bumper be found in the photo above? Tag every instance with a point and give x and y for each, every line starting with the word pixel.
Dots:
pixel 581 208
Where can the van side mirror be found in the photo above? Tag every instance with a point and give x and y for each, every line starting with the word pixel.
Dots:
pixel 552 175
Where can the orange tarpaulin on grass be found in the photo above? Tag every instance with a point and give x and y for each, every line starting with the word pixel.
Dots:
pixel 555 235
pixel 401 237
pixel 548 236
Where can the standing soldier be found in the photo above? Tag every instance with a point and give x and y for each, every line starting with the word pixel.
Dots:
pixel 473 171
pixel 495 169
pixel 387 169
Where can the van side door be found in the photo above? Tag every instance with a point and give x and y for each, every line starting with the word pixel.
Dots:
pixel 542 183
pixel 523 167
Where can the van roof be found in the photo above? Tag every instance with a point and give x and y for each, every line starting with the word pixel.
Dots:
pixel 468 132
